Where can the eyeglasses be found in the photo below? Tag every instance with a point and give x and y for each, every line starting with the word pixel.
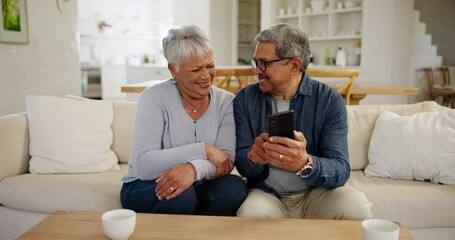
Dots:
pixel 262 65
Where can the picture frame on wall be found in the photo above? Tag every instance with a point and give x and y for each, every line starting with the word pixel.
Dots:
pixel 13 22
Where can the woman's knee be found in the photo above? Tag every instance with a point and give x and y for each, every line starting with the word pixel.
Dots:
pixel 185 203
pixel 221 196
pixel 228 188
pixel 236 188
pixel 138 196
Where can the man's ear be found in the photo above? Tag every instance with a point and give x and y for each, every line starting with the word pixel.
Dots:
pixel 296 64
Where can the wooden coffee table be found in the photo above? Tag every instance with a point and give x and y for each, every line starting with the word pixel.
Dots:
pixel 87 225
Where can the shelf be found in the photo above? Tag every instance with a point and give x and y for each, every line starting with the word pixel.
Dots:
pixel 121 28
pixel 287 16
pixel 312 14
pixel 347 10
pixel 355 37
pixel 248 25
pixel 328 28
pixel 120 21
pixel 119 37
pixel 334 67
pixel 322 13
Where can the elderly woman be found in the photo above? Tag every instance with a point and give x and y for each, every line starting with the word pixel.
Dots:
pixel 184 137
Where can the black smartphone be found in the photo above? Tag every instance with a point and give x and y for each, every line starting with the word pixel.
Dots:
pixel 282 124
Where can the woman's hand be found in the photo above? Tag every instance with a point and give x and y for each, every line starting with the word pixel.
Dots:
pixel 220 159
pixel 175 181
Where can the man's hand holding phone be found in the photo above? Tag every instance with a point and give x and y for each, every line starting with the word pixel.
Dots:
pixel 288 154
pixel 257 151
pixel 282 124
pixel 285 147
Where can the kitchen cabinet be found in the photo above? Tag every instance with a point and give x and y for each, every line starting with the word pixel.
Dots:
pixel 91 82
pixel 332 24
pixel 112 80
pixel 119 29
pixel 103 82
pixel 249 12
pixel 138 74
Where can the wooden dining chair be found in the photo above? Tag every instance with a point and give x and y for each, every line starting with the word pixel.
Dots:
pixel 244 77
pixel 345 88
pixel 445 73
pixel 223 78
pixel 447 93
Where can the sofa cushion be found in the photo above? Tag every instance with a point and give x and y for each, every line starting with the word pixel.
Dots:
pixel 70 136
pixel 124 115
pixel 47 193
pixel 13 145
pixel 361 122
pixel 412 203
pixel 122 126
pixel 420 147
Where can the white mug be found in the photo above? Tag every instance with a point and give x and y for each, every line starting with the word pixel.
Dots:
pixel 119 224
pixel 379 229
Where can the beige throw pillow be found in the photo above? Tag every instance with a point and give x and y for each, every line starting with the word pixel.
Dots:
pixel 420 147
pixel 70 136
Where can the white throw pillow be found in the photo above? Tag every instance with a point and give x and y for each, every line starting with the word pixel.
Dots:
pixel 420 147
pixel 70 136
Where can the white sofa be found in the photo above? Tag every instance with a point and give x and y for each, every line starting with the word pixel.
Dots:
pixel 426 209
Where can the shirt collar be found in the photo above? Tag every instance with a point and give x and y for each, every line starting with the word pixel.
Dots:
pixel 305 87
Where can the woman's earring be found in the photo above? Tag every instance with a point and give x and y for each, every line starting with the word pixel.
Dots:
pixel 174 81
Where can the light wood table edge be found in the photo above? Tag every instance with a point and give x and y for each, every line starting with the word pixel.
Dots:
pixel 88 225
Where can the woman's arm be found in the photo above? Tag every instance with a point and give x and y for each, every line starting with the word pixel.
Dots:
pixel 148 159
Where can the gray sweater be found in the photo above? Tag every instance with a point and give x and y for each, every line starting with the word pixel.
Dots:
pixel 165 135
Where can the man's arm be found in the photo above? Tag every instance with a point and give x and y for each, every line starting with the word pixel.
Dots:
pixel 244 140
pixel 331 165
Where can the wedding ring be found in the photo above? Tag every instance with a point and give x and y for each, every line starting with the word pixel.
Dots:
pixel 172 189
pixel 281 156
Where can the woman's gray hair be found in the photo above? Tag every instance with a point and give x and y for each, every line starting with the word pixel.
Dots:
pixel 184 43
pixel 290 42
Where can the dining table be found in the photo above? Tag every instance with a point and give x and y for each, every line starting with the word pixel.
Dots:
pixel 359 90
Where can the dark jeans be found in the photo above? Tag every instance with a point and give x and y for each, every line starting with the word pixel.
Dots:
pixel 222 197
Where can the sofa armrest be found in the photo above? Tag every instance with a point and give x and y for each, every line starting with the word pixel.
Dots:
pixel 14 143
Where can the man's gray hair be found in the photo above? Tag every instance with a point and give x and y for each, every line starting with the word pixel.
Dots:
pixel 185 43
pixel 290 42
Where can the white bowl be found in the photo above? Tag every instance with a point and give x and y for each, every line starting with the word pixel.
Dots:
pixel 119 224
pixel 318 5
pixel 379 229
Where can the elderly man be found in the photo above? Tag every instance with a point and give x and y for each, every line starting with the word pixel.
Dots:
pixel 302 177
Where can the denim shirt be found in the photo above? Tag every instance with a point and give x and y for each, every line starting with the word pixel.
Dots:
pixel 320 114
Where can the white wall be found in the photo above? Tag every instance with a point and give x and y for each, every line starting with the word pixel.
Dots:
pixel 48 64
pixel 386 48
pixel 192 12
pixel 221 31
pixel 215 18
pixel 439 18
pixel 136 28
